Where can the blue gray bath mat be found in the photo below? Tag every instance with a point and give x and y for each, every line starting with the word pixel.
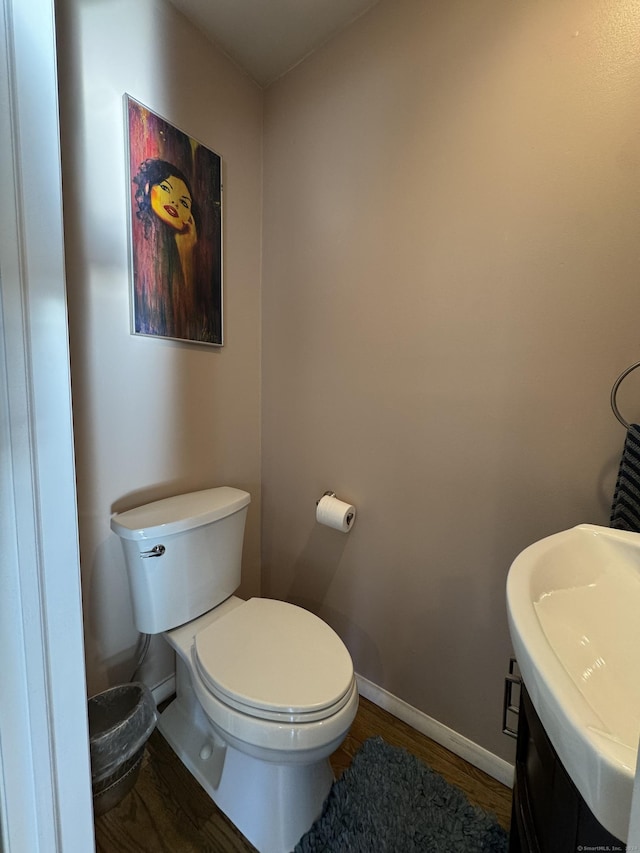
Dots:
pixel 388 801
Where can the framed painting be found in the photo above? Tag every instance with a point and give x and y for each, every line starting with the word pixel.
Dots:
pixel 175 197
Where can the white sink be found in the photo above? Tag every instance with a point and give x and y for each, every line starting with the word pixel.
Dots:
pixel 573 601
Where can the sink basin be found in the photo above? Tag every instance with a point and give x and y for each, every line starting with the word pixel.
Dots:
pixel 573 602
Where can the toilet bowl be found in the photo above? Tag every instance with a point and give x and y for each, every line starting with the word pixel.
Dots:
pixel 267 769
pixel 265 690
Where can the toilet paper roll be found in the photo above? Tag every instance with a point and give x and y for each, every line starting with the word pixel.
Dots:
pixel 334 513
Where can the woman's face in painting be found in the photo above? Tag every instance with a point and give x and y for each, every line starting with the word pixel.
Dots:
pixel 171 202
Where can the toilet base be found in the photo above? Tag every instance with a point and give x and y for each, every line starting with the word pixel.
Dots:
pixel 271 804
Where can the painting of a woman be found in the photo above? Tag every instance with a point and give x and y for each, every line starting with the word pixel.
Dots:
pixel 176 232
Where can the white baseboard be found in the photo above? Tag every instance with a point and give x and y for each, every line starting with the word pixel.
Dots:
pixel 481 758
pixel 164 688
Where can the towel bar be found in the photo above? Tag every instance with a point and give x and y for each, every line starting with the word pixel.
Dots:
pixel 614 391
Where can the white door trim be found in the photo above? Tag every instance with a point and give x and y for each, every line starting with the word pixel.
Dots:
pixel 45 781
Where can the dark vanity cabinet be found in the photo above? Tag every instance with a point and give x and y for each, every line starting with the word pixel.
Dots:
pixel 548 813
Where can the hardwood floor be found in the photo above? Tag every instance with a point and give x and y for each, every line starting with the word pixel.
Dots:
pixel 169 811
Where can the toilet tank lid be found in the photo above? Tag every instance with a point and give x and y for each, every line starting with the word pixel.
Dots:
pixel 179 513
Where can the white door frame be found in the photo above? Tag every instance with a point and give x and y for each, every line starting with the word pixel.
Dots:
pixel 45 781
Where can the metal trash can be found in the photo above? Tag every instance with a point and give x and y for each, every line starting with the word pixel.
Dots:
pixel 121 720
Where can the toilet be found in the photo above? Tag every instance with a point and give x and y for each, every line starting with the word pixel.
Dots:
pixel 265 690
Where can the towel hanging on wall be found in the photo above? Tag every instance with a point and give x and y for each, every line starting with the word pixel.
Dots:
pixel 625 508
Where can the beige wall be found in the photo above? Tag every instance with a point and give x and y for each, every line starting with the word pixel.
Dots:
pixel 152 418
pixel 450 287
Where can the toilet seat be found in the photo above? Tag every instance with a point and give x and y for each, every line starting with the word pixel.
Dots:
pixel 275 661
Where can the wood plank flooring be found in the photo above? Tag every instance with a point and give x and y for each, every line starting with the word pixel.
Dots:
pixel 168 811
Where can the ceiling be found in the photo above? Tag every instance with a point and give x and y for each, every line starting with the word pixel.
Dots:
pixel 268 37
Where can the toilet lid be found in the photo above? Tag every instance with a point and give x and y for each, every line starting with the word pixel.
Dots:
pixel 270 658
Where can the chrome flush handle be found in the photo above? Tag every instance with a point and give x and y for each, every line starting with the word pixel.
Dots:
pixel 156 551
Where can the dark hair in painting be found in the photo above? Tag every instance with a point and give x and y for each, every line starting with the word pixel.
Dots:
pixel 150 173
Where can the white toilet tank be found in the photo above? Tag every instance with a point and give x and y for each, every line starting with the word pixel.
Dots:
pixel 183 555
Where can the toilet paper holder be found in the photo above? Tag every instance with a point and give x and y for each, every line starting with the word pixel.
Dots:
pixel 332 494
